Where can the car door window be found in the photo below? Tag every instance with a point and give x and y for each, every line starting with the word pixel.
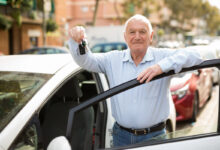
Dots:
pixel 60 51
pixel 121 46
pixel 49 51
pixel 33 51
pixel 97 49
pixel 29 138
pixel 196 103
pixel 109 47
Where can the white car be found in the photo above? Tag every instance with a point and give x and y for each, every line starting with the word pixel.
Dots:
pixel 44 101
pixel 209 52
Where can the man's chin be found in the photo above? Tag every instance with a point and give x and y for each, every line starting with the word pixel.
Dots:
pixel 139 49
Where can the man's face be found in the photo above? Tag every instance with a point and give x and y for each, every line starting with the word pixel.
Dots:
pixel 138 36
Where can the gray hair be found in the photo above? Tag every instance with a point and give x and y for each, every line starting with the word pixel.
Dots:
pixel 139 17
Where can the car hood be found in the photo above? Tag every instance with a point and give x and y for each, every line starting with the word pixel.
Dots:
pixel 180 81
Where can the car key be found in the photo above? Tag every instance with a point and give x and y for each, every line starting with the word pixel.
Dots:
pixel 82 47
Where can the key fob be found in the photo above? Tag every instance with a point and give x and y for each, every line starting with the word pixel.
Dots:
pixel 82 47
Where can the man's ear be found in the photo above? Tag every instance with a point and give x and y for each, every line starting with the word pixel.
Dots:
pixel 125 37
pixel 151 37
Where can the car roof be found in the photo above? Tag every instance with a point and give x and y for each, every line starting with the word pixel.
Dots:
pixel 57 47
pixel 64 49
pixel 48 64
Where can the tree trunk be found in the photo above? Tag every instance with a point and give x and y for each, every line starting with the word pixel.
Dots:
pixel 95 12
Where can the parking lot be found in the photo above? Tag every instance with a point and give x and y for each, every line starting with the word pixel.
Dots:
pixel 206 119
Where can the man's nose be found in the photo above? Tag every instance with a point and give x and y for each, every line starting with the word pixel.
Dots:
pixel 137 35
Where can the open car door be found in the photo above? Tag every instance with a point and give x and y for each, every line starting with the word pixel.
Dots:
pixel 201 140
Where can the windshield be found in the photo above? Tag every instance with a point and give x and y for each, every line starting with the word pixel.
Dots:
pixel 16 89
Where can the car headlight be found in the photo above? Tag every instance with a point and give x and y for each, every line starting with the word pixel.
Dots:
pixel 181 92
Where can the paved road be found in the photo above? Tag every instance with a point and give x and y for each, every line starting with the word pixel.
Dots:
pixel 206 119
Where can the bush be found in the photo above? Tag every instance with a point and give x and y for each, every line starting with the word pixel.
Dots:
pixel 4 23
pixel 51 25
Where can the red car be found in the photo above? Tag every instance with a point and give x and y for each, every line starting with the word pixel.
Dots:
pixel 190 91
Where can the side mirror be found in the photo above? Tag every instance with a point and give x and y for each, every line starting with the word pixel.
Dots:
pixel 59 143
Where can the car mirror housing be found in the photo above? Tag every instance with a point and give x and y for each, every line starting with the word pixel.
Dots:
pixel 59 143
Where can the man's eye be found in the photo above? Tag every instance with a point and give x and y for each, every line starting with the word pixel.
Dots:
pixel 142 32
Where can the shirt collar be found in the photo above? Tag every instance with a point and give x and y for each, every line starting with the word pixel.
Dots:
pixel 127 56
pixel 148 56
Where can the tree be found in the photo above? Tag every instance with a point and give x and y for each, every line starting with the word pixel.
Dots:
pixel 95 12
pixel 213 21
pixel 117 11
pixel 145 7
pixel 183 11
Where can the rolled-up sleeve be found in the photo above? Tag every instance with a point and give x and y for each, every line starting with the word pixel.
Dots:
pixel 178 59
pixel 89 61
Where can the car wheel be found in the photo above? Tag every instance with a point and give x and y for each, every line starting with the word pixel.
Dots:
pixel 169 130
pixel 210 93
pixel 195 108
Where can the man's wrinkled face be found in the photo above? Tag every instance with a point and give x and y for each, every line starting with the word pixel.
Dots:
pixel 137 35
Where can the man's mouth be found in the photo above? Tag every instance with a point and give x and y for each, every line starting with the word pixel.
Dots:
pixel 137 43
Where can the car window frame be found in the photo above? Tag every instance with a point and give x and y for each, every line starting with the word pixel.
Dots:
pixel 133 83
pixel 33 122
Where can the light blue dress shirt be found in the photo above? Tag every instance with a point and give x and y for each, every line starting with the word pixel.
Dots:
pixel 147 104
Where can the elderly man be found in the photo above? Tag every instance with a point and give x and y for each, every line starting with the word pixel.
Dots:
pixel 141 112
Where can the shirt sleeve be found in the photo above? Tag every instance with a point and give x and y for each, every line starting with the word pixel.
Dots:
pixel 89 61
pixel 178 59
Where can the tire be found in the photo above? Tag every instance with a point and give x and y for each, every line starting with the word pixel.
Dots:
pixel 195 108
pixel 210 94
pixel 169 131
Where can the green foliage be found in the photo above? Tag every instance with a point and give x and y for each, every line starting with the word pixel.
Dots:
pixel 32 14
pixel 145 7
pixel 16 15
pixel 184 11
pixel 18 7
pixel 40 5
pixel 4 23
pixel 213 20
pixel 26 5
pixel 51 25
pixel 160 32
pixel 22 5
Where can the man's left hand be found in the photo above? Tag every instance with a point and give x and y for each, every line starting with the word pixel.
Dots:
pixel 149 73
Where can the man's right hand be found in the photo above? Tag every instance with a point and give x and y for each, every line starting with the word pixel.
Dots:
pixel 77 33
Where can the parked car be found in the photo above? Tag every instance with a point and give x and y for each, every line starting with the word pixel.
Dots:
pixel 106 47
pixel 170 44
pixel 208 52
pixel 36 94
pixel 46 50
pixel 190 91
pixel 216 46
